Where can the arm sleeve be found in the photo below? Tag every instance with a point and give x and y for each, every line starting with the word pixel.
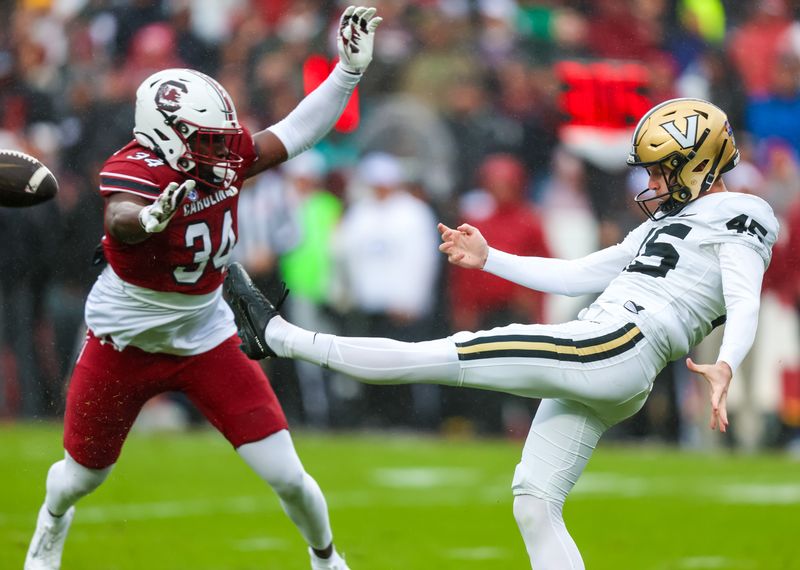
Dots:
pixel 317 113
pixel 742 272
pixel 590 274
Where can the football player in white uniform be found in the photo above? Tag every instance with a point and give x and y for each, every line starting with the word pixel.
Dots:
pixel 696 262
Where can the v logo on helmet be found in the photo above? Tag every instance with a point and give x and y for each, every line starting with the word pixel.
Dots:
pixel 687 139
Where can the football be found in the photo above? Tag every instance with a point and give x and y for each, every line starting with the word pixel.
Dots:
pixel 24 180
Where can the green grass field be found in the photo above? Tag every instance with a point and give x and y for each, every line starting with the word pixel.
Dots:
pixel 185 501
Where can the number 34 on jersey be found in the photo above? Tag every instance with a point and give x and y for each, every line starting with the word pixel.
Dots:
pixel 190 255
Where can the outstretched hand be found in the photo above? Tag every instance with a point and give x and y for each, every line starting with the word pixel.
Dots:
pixel 155 217
pixel 719 377
pixel 356 37
pixel 464 246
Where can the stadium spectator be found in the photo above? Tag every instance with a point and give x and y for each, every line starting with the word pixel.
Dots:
pixel 386 252
pixel 625 29
pixel 405 126
pixel 713 77
pixel 123 22
pixel 440 59
pixel 569 224
pixel 526 98
pixel 699 25
pixel 778 369
pixel 31 385
pixel 775 115
pixel 499 206
pixel 477 128
pixel 661 290
pixel 152 48
pixel 781 167
pixel 80 216
pixel 156 318
pixel 754 45
pixel 307 269
pixel 497 32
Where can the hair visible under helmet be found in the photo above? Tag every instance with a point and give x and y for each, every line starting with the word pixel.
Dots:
pixel 692 143
pixel 188 119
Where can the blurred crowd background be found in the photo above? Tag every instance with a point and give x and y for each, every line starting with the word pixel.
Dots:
pixel 513 115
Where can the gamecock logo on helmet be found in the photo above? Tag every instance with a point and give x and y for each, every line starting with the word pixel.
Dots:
pixel 168 96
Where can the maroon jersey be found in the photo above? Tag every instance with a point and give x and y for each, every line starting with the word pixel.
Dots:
pixel 190 255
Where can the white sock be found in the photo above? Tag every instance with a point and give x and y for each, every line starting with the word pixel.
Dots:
pixel 68 481
pixel 276 462
pixel 288 340
pixel 370 360
pixel 547 540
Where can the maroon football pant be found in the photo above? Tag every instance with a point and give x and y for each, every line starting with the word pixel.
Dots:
pixel 108 389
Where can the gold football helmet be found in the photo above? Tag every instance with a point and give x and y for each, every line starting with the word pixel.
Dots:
pixel 691 142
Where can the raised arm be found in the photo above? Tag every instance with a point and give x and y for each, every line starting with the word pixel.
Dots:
pixel 466 247
pixel 315 115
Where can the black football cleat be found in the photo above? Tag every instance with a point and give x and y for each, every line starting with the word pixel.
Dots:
pixel 251 311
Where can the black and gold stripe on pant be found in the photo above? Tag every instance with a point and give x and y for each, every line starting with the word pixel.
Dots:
pixel 540 346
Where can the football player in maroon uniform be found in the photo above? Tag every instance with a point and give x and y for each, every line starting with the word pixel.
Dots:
pixel 156 317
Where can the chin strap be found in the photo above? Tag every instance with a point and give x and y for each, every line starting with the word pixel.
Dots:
pixel 711 177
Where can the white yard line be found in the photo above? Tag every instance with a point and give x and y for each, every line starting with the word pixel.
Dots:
pixel 261 543
pixel 476 553
pixel 623 486
pixel 426 477
pixel 711 563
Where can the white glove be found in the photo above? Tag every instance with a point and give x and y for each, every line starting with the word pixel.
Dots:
pixel 355 38
pixel 155 217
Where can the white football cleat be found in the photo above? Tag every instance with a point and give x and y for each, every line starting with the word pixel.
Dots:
pixel 335 562
pixel 47 544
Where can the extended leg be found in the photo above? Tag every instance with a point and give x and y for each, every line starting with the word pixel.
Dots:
pixel 372 360
pixel 265 334
pixel 579 360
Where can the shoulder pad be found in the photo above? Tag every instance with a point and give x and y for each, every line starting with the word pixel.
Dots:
pixel 743 218
pixel 136 170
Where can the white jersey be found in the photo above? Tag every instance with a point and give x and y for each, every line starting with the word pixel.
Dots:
pixel 672 288
pixel 156 321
